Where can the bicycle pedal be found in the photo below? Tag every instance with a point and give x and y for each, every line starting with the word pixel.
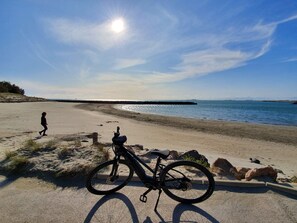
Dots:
pixel 143 198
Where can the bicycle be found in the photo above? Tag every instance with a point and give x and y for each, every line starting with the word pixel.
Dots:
pixel 183 181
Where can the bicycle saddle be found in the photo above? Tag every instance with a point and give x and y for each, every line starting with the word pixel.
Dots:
pixel 163 154
pixel 120 140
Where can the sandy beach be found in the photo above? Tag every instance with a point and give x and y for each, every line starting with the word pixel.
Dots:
pixel 21 121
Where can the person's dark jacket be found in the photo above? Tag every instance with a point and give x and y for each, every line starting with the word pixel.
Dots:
pixel 43 121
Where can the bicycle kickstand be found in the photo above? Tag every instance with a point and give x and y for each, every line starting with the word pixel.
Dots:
pixel 143 197
pixel 160 191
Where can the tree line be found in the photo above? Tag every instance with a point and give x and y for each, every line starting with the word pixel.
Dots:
pixel 7 87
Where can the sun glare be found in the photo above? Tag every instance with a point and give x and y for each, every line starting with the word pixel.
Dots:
pixel 118 25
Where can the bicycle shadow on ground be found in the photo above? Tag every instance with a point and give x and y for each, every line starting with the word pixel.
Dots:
pixel 110 204
pixel 107 198
pixel 186 213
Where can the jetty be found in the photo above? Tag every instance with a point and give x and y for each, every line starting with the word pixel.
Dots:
pixel 126 102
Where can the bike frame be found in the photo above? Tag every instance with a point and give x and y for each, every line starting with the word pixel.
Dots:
pixel 137 165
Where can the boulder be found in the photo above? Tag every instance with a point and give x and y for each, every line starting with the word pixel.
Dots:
pixel 173 155
pixel 223 167
pixel 240 172
pixel 261 172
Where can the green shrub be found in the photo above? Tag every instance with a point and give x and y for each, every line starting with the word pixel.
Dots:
pixel 201 162
pixel 16 163
pixel 10 88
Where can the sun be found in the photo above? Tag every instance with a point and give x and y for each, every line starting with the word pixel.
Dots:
pixel 118 25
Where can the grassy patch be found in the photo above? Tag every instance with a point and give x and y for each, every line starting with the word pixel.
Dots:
pixel 64 152
pixel 77 143
pixel 10 154
pixel 102 155
pixel 77 170
pixel 201 162
pixel 32 145
pixel 16 163
pixel 52 144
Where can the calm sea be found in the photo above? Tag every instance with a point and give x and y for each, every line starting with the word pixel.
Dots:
pixel 276 113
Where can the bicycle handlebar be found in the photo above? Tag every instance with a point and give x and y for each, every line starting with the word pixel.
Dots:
pixel 117 139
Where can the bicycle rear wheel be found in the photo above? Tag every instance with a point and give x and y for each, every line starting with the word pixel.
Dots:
pixel 187 182
pixel 109 177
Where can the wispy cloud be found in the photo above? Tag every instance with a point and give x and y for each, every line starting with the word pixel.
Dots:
pixel 199 54
pixel 293 59
pixel 38 51
pixel 125 63
pixel 95 35
pixel 110 90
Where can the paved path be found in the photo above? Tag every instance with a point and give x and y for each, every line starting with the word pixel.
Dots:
pixel 31 200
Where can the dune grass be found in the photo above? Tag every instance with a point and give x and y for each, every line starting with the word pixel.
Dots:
pixel 16 163
pixel 32 145
pixel 10 154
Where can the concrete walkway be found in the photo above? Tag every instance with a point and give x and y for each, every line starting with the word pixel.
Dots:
pixel 32 200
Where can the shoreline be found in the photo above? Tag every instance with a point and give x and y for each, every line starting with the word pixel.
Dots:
pixel 117 106
pixel 266 132
pixel 21 121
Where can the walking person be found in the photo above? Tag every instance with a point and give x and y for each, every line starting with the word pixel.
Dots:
pixel 43 123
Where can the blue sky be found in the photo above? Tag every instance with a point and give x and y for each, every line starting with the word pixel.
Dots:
pixel 167 49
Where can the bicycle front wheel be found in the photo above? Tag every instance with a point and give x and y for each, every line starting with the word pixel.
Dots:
pixel 109 177
pixel 187 182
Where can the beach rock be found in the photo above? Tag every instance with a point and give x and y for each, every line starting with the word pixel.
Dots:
pixel 261 172
pixel 138 146
pixel 149 153
pixel 223 167
pixel 173 155
pixel 194 155
pixel 254 160
pixel 240 172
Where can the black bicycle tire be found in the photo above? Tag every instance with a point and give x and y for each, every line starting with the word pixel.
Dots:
pixel 103 165
pixel 209 176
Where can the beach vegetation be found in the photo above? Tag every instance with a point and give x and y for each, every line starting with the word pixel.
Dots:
pixel 102 153
pixel 32 145
pixel 16 163
pixel 64 152
pixel 7 87
pixel 200 162
pixel 52 144
pixel 77 142
pixel 81 169
pixel 10 154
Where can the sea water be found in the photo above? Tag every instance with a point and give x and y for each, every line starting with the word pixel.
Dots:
pixel 275 113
